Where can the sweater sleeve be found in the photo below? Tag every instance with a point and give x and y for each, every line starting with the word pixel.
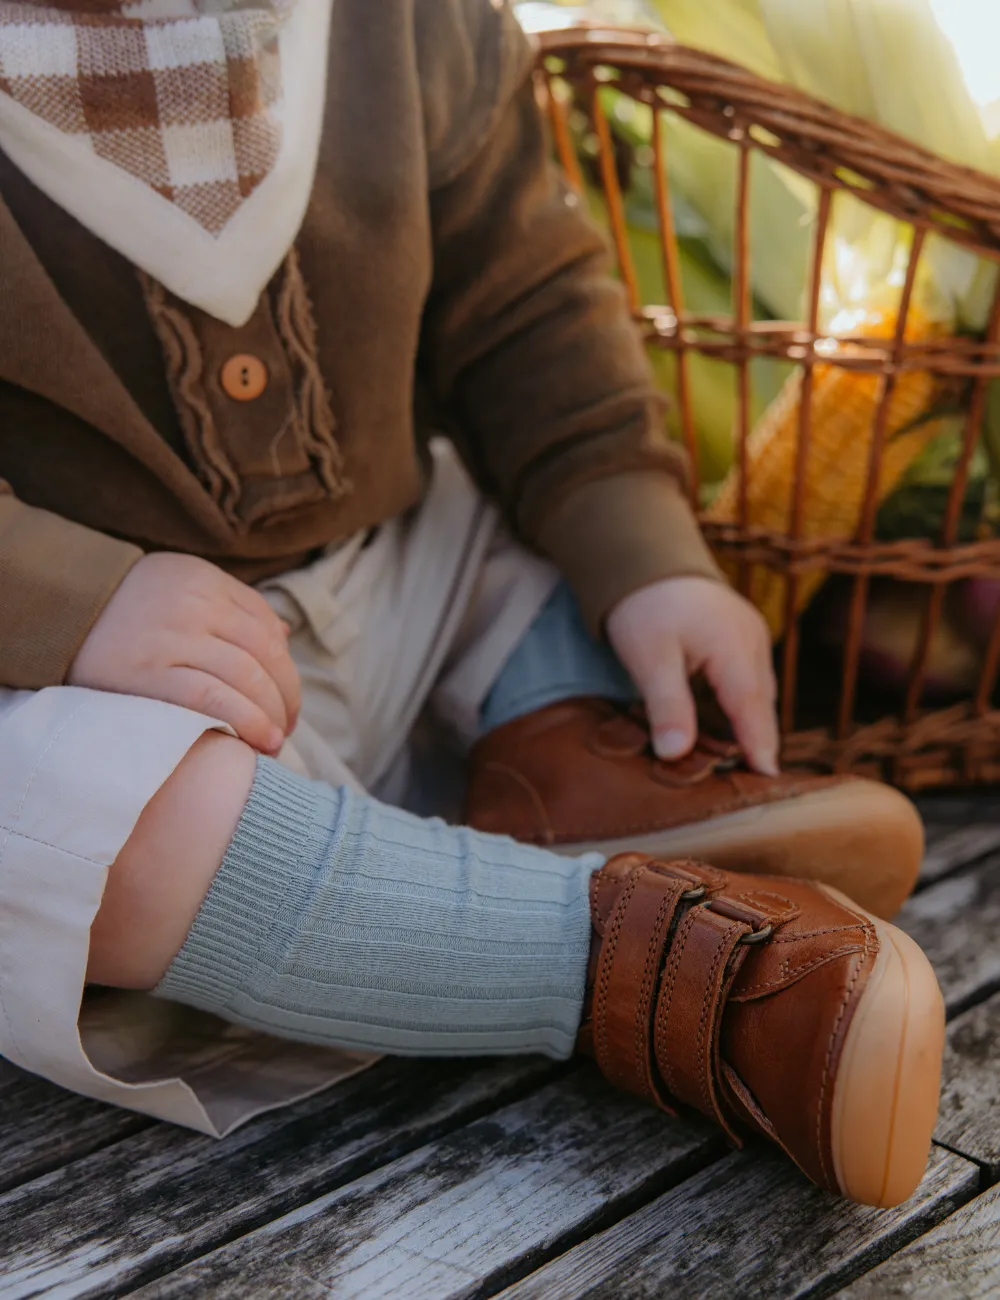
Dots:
pixel 55 579
pixel 531 352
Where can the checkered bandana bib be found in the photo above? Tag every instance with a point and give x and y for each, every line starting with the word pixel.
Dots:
pixel 190 103
pixel 186 99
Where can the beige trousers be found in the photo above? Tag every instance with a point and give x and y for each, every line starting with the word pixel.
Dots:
pixel 416 618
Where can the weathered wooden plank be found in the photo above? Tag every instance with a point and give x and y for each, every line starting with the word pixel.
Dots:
pixel 748 1226
pixel 462 1215
pixel 956 922
pixel 957 1260
pixel 959 829
pixel 43 1127
pixel 958 846
pixel 156 1200
pixel 970 1099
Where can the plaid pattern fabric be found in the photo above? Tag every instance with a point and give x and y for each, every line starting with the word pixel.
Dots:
pixel 185 98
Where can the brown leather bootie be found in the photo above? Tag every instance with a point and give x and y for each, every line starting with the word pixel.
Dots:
pixel 582 774
pixel 774 1007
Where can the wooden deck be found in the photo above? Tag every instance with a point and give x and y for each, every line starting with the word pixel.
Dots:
pixel 519 1179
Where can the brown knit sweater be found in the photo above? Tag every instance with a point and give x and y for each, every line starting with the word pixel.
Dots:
pixel 444 280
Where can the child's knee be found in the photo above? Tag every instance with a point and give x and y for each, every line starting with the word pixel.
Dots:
pixel 159 879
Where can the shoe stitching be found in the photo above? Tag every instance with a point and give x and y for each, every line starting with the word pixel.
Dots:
pixel 667 994
pixel 711 877
pixel 763 896
pixel 667 904
pixel 592 894
pixel 612 942
pixel 798 971
pixel 814 934
pixel 721 955
pixel 866 926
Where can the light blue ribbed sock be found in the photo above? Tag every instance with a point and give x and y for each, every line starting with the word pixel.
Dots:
pixel 556 659
pixel 336 919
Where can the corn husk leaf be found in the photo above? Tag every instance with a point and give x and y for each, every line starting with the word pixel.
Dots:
pixel 892 61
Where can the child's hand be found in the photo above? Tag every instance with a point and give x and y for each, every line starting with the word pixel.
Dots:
pixel 179 629
pixel 667 632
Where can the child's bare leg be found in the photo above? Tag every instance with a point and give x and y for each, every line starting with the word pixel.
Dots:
pixel 321 914
pixel 163 873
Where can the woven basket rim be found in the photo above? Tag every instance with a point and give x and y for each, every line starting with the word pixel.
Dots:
pixel 881 157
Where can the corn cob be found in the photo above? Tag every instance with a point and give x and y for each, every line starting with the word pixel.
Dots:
pixel 841 420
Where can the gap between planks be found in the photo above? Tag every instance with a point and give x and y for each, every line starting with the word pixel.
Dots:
pixel 748 1224
pixel 957 1260
pixel 957 922
pixel 155 1200
pixel 43 1127
pixel 464 1214
pixel 748 1227
pixel 957 847
pixel 969 1122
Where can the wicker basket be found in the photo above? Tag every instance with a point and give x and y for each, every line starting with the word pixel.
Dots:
pixel 914 747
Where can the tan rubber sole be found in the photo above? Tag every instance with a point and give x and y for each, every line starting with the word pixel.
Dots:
pixel 861 837
pixel 887 1089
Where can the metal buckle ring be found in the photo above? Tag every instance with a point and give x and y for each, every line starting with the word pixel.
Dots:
pixel 695 894
pixel 758 936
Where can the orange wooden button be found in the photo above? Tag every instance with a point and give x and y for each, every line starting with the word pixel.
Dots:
pixel 243 377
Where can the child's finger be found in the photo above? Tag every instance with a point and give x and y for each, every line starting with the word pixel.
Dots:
pixel 240 670
pixel 208 695
pixel 266 642
pixel 744 685
pixel 669 703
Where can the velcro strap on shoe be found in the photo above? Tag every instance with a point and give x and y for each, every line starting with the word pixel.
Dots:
pixel 630 961
pixel 707 951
